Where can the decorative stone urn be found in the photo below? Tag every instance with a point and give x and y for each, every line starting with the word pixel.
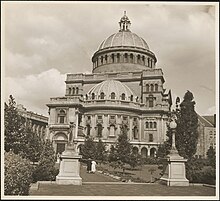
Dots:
pixel 174 165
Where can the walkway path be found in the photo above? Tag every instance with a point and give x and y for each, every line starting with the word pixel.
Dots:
pixel 96 177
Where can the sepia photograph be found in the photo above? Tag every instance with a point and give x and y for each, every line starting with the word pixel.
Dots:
pixel 109 100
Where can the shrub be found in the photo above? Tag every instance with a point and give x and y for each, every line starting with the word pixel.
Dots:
pixel 45 170
pixel 151 161
pixel 197 171
pixel 18 175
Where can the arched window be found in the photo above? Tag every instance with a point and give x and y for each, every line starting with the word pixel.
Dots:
pixel 77 90
pixel 70 90
pixel 73 90
pixel 147 124
pixel 123 96
pixel 155 124
pixel 152 87
pixel 151 124
pixel 135 132
pixel 126 57
pixel 113 58
pixel 135 150
pixel 102 95
pixel 101 59
pixel 138 59
pixel 88 128
pixel 112 95
pixel 106 59
pixel 99 130
pixel 143 60
pixel 147 87
pixel 61 116
pixel 131 58
pixel 148 62
pixel 93 96
pixel 156 87
pixel 144 152
pixel 131 97
pixel 118 58
pixel 152 152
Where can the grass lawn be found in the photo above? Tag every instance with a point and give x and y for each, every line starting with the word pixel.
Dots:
pixel 140 172
pixel 122 190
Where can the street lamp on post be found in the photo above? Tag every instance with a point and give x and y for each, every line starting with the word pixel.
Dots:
pixel 173 126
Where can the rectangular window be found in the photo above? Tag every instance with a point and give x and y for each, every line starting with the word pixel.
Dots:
pixel 151 138
pixel 62 119
pixel 99 117
pixel 151 103
pixel 112 117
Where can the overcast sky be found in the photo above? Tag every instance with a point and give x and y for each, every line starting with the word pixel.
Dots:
pixel 45 41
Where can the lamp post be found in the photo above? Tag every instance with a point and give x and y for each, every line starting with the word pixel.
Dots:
pixel 174 166
pixel 173 126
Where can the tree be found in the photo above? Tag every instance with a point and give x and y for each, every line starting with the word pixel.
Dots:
pixel 123 148
pixel 186 131
pixel 100 151
pixel 211 156
pixel 45 170
pixel 135 160
pixel 89 148
pixel 18 174
pixel 15 136
pixel 163 149
pixel 34 146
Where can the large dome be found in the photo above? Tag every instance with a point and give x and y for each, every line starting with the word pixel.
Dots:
pixel 123 51
pixel 109 89
pixel 124 39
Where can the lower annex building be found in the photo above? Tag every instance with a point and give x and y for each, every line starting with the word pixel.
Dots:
pixel 125 87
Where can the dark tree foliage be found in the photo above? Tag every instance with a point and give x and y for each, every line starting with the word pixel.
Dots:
pixel 89 148
pixel 100 151
pixel 18 174
pixel 123 148
pixel 135 160
pixel 163 149
pixel 34 146
pixel 45 170
pixel 186 131
pixel 112 154
pixel 211 156
pixel 15 135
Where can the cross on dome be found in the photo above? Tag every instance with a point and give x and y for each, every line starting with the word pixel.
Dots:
pixel 124 23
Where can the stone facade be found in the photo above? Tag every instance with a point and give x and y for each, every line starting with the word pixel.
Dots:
pixel 38 123
pixel 207 135
pixel 125 87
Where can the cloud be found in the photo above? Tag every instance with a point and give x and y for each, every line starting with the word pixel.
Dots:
pixel 64 36
pixel 34 91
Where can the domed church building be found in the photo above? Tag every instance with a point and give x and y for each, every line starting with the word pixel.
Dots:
pixel 124 88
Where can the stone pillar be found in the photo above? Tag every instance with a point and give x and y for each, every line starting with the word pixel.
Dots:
pixel 69 167
pixel 174 168
pixel 77 124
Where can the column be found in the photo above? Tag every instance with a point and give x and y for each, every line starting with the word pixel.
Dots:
pixel 77 123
